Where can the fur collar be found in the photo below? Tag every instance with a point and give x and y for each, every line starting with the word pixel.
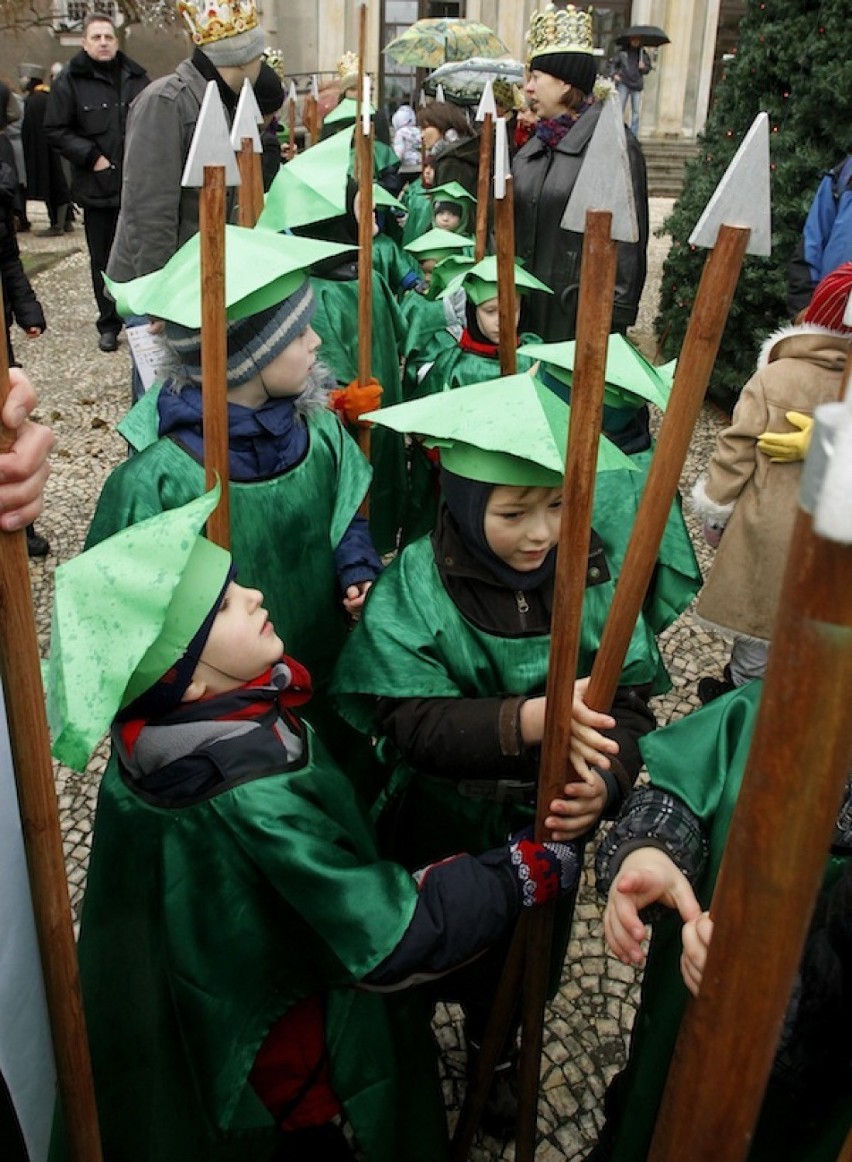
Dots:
pixel 768 351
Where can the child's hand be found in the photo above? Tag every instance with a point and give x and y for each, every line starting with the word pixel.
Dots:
pixel 353 600
pixel 24 468
pixel 33 332
pixel 588 746
pixel 647 876
pixel 579 810
pixel 696 941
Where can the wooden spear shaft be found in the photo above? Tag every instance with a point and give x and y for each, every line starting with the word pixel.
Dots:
pixel 773 863
pixel 291 129
pixel 30 744
pixel 214 348
pixel 694 367
pixel 483 185
pixel 504 231
pixel 532 942
pixel 364 159
pixel 248 211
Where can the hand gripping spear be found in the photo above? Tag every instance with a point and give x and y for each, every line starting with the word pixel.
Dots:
pixel 245 141
pixel 504 234
pixel 486 113
pixel 211 165
pixel 24 697
pixel 606 210
pixel 775 855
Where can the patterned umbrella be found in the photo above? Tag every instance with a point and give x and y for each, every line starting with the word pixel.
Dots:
pixel 432 42
pixel 463 81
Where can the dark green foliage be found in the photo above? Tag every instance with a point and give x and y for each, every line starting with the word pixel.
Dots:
pixel 793 62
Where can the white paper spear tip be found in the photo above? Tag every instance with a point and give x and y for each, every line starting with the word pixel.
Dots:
pixel 246 119
pixel 605 181
pixel 211 143
pixel 742 196
pixel 487 104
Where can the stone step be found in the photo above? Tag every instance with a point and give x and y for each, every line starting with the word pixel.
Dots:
pixel 665 161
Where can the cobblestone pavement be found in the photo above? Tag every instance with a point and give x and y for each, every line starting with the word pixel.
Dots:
pixel 83 393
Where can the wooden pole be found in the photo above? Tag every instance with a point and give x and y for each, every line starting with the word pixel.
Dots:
pixel 773 863
pixel 504 231
pixel 694 367
pixel 30 744
pixel 483 185
pixel 364 159
pixel 532 950
pixel 214 348
pixel 248 211
pixel 845 1154
pixel 291 128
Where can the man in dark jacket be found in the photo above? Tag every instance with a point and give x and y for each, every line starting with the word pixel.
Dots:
pixel 86 119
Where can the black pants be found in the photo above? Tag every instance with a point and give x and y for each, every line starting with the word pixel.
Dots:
pixel 100 225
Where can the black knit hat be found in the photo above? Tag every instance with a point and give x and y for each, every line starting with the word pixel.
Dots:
pixel 253 342
pixel 574 68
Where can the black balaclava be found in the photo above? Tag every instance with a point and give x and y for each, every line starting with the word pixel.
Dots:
pixel 467 501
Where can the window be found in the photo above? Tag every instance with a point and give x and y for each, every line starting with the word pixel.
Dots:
pixel 68 15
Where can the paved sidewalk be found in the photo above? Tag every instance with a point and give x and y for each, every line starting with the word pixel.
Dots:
pixel 83 393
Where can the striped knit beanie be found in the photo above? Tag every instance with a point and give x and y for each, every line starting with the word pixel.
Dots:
pixel 828 305
pixel 253 342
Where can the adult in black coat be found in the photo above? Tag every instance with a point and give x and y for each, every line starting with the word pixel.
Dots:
pixel 86 120
pixel 45 178
pixel 544 172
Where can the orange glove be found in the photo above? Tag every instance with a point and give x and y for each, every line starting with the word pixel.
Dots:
pixel 353 400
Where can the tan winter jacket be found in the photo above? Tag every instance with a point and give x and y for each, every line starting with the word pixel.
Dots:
pixel 798 369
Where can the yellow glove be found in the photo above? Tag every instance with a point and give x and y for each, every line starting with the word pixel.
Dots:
pixel 786 447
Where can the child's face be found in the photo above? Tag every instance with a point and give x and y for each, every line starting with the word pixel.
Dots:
pixel 428 178
pixel 427 265
pixel 448 219
pixel 287 374
pixel 522 524
pixel 242 643
pixel 488 319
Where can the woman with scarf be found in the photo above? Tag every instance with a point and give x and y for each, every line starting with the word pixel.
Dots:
pixel 545 170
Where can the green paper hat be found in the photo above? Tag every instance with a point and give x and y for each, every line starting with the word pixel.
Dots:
pixel 448 271
pixel 480 282
pixel 440 244
pixel 123 613
pixel 346 110
pixel 451 192
pixel 312 187
pixel 511 430
pixel 261 270
pixel 630 378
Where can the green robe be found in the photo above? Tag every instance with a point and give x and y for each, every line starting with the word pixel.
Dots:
pixel 717 740
pixel 418 202
pixel 455 367
pixel 393 263
pixel 336 323
pixel 204 924
pixel 413 642
pixel 283 530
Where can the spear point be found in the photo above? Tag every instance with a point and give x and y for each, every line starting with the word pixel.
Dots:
pixel 246 119
pixel 211 143
pixel 487 104
pixel 742 196
pixel 604 181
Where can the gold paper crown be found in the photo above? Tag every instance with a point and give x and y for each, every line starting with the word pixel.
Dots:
pixel 347 66
pixel 559 30
pixel 274 57
pixel 211 22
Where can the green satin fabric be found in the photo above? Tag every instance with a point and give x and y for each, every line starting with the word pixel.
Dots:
pixel 203 925
pixel 419 205
pixel 336 323
pixel 456 367
pixel 412 642
pixel 283 531
pixel 393 263
pixel 701 759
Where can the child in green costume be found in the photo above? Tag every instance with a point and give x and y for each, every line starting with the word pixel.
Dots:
pixel 448 665
pixel 297 479
pixel 235 896
pixel 665 849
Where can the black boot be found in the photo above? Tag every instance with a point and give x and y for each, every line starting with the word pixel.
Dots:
pixel 709 689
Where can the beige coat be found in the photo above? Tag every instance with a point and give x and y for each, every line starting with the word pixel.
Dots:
pixel 799 368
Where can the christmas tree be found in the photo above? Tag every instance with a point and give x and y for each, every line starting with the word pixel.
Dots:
pixel 793 62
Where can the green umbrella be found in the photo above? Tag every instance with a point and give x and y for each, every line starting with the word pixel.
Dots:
pixel 431 42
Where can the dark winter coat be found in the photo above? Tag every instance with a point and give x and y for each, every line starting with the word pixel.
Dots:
pixel 19 300
pixel 543 181
pixel 86 119
pixel 45 179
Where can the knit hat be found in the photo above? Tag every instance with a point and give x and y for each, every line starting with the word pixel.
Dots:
pixel 268 90
pixel 830 300
pixel 253 342
pixel 227 33
pixel 560 43
pixel 124 614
